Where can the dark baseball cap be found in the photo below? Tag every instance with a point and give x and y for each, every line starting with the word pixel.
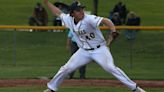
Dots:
pixel 76 6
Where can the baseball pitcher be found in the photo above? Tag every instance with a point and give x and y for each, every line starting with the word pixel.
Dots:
pixel 92 45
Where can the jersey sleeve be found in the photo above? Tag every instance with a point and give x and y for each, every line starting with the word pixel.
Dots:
pixel 95 20
pixel 64 17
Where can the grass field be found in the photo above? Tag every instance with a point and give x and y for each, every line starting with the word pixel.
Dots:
pixel 17 12
pixel 42 54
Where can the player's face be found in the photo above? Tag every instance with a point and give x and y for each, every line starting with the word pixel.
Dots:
pixel 78 14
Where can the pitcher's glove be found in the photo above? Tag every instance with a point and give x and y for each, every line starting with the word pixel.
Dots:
pixel 115 35
pixel 111 37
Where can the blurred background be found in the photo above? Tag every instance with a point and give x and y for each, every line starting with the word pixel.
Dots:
pixel 17 12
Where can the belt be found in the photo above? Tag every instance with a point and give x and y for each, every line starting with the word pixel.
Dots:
pixel 98 46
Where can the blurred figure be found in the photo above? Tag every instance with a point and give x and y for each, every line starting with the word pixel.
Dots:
pixel 64 8
pixel 73 47
pixel 122 10
pixel 39 16
pixel 116 19
pixel 132 20
pixel 57 20
pixel 95 7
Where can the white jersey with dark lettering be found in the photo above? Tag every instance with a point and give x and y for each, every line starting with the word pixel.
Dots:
pixel 86 31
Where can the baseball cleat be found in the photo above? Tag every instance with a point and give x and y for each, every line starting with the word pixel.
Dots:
pixel 48 90
pixel 138 89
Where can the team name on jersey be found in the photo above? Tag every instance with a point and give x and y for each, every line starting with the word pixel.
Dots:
pixel 88 36
pixel 81 32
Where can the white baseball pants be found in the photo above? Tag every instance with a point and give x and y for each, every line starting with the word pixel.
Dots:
pixel 101 55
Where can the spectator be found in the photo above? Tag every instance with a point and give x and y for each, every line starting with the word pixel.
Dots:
pixel 57 21
pixel 72 46
pixel 122 10
pixel 116 19
pixel 39 16
pixel 132 20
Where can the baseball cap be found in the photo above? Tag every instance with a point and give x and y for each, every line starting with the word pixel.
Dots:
pixel 76 6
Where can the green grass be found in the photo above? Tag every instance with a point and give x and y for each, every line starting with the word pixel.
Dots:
pixel 76 89
pixel 42 54
pixel 17 12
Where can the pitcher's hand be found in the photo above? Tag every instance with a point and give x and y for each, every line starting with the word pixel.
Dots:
pixel 112 36
pixel 45 1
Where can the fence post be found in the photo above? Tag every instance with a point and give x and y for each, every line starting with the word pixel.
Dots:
pixel 132 41
pixel 14 47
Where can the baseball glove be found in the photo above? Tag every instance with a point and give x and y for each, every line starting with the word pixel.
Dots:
pixel 112 36
pixel 115 35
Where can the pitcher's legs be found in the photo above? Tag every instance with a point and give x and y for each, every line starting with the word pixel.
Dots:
pixel 58 78
pixel 82 71
pixel 71 75
pixel 105 60
pixel 78 59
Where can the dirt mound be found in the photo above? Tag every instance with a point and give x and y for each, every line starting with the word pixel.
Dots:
pixel 77 83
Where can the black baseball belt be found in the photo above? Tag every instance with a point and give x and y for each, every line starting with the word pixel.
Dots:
pixel 98 46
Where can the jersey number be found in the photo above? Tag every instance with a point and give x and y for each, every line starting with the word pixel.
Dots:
pixel 90 36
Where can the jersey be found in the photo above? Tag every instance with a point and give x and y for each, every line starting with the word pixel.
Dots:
pixel 86 32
